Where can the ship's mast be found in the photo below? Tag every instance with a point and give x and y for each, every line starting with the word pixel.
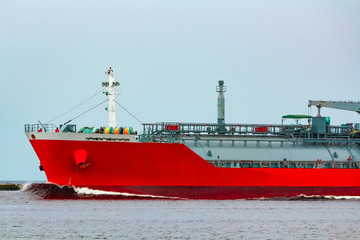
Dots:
pixel 111 94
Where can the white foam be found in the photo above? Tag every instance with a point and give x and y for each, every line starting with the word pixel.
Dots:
pixel 332 197
pixel 84 190
pixel 310 197
pixel 25 186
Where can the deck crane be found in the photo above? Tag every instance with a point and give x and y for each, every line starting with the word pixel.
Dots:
pixel 350 106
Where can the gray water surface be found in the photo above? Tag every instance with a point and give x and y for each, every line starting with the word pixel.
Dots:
pixel 28 215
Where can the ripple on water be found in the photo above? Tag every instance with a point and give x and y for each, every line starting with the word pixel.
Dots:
pixel 37 212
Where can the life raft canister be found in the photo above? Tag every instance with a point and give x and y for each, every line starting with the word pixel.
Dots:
pixel 80 157
pixel 109 130
pixel 128 130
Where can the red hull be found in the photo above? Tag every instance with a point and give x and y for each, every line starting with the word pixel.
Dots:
pixel 174 170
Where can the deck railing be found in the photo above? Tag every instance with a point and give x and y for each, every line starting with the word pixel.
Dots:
pixel 46 127
pixel 304 131
pixel 284 164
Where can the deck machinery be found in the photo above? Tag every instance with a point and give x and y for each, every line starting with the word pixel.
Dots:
pixel 313 145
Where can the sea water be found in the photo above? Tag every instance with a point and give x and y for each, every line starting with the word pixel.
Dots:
pixel 46 211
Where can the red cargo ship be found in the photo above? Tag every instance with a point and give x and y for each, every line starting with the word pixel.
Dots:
pixel 205 161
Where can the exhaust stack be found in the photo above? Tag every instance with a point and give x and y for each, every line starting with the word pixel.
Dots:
pixel 221 105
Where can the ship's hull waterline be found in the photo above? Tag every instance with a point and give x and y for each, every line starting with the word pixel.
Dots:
pixel 174 170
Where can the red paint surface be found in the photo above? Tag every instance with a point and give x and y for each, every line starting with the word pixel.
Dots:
pixel 261 129
pixel 80 156
pixel 172 127
pixel 175 170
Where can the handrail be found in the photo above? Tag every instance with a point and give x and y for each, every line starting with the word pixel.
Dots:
pixel 222 163
pixel 46 127
pixel 171 128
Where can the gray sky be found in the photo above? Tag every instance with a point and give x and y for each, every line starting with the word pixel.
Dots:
pixel 168 55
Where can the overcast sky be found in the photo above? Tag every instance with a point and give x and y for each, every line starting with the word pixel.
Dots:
pixel 274 56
